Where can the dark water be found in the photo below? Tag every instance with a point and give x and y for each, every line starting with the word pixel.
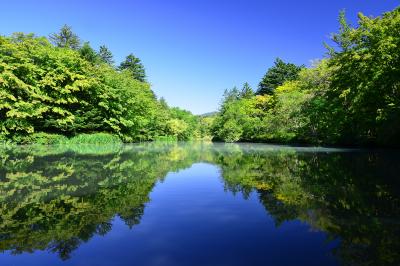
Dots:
pixel 198 204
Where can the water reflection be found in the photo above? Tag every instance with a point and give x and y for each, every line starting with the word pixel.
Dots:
pixel 57 198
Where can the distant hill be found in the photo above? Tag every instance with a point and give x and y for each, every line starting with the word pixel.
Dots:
pixel 208 114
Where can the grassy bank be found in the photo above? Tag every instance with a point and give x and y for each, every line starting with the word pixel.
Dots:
pixel 56 139
pixel 90 139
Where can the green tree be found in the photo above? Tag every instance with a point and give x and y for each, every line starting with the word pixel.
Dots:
pixel 65 38
pixel 163 103
pixel 230 95
pixel 230 131
pixel 366 78
pixel 240 116
pixel 38 80
pixel 59 91
pixel 135 66
pixel 285 119
pixel 277 75
pixel 128 105
pixel 88 53
pixel 105 55
pixel 247 91
pixel 189 123
pixel 177 127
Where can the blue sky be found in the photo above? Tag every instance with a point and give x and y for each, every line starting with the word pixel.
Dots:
pixel 193 50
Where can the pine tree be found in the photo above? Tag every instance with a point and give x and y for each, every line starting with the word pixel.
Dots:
pixel 133 64
pixel 105 55
pixel 66 38
pixel 277 75
pixel 247 91
pixel 88 53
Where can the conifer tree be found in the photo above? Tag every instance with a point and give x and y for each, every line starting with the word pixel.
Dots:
pixel 66 38
pixel 105 55
pixel 133 64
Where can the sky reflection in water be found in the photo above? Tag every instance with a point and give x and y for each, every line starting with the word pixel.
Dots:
pixel 198 204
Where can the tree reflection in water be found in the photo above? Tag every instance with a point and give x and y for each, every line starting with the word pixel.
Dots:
pixel 56 198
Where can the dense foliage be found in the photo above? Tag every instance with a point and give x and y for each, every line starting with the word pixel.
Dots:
pixel 135 66
pixel 350 97
pixel 277 75
pixel 70 89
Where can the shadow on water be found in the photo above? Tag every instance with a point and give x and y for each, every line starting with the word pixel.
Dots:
pixel 56 198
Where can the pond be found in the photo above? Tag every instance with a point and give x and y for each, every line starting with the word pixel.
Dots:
pixel 198 204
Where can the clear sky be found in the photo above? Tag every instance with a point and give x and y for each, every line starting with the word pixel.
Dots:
pixel 195 49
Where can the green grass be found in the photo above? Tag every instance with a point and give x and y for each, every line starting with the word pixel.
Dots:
pixel 96 138
pixel 56 149
pixel 42 138
pixel 47 139
pixel 97 143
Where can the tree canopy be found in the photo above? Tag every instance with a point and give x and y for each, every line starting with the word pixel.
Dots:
pixel 69 89
pixel 135 66
pixel 277 75
pixel 88 53
pixel 106 55
pixel 352 97
pixel 66 38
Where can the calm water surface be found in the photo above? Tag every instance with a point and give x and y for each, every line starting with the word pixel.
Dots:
pixel 198 204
